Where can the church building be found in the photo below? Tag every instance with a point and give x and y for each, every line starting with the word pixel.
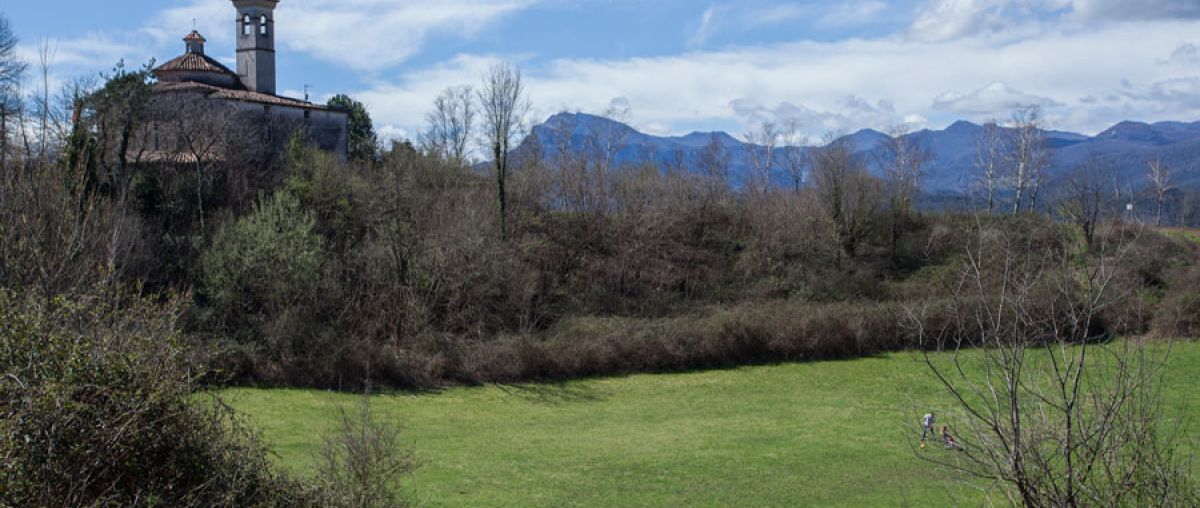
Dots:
pixel 252 89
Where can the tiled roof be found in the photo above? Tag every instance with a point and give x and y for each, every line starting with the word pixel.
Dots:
pixel 239 95
pixel 194 36
pixel 193 62
pixel 163 157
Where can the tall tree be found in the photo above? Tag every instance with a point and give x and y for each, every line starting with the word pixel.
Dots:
pixel 362 143
pixel 450 125
pixel 11 71
pixel 1027 156
pixel 848 194
pixel 1083 200
pixel 504 106
pixel 990 147
pixel 762 141
pixel 1159 175
pixel 794 158
pixel 713 163
pixel 903 160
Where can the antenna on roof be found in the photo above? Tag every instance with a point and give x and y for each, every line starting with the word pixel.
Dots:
pixel 193 23
pixel 305 93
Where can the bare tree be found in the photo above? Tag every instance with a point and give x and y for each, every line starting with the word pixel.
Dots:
pixel 1083 200
pixel 848 194
pixel 1043 406
pixel 504 106
pixel 990 147
pixel 199 132
pixel 761 150
pixel 1027 156
pixel 568 164
pixel 713 163
pixel 903 159
pixel 675 163
pixel 1161 185
pixel 12 69
pixel 45 60
pixel 451 125
pixel 602 143
pixel 1188 211
pixel 794 159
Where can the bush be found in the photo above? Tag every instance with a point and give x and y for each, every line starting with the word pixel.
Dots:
pixel 1178 315
pixel 263 264
pixel 364 459
pixel 98 407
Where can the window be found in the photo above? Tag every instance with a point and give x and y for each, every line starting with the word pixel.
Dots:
pixel 262 25
pixel 246 27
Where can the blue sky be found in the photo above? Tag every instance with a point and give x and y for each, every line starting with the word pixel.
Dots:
pixel 674 66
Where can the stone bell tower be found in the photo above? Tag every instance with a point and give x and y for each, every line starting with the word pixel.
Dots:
pixel 256 44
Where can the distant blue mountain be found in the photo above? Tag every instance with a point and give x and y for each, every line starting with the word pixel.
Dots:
pixel 1125 148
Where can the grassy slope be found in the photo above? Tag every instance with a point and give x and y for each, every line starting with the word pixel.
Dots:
pixel 818 434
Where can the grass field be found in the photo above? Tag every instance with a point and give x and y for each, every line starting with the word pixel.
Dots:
pixel 813 434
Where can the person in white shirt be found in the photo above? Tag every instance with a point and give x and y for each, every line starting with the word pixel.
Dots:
pixel 927 426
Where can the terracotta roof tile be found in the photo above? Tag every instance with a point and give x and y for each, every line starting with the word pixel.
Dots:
pixel 240 95
pixel 193 62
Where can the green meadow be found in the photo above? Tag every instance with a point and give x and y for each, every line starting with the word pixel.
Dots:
pixel 803 434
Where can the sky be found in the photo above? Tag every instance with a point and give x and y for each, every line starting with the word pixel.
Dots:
pixel 671 67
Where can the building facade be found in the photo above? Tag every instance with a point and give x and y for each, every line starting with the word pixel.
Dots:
pixel 249 93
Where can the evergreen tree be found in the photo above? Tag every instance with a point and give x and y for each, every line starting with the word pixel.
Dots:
pixel 362 140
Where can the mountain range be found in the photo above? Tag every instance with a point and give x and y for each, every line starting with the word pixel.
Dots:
pixel 1125 148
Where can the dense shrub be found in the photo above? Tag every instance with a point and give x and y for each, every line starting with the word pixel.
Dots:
pixel 257 274
pixel 1178 314
pixel 98 407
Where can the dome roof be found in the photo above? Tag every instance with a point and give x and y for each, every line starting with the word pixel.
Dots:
pixel 193 62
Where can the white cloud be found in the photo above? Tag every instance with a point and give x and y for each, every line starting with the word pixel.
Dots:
pixel 749 16
pixel 848 114
pixel 990 101
pixel 705 28
pixel 85 51
pixel 940 20
pixel 1176 94
pixel 366 35
pixel 213 18
pixel 812 80
pixel 1186 54
pixel 849 13
pixel 1136 9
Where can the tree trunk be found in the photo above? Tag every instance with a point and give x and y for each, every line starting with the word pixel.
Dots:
pixel 501 156
pixel 3 136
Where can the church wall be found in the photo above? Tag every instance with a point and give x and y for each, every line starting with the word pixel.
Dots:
pixel 327 128
pixel 210 78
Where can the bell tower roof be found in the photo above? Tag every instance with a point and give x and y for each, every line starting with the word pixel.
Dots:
pixel 195 42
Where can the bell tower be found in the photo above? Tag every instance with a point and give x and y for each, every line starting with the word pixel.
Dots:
pixel 256 44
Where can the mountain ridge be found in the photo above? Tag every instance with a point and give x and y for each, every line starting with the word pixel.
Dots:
pixel 1125 147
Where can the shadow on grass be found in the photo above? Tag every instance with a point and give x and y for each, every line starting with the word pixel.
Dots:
pixel 555 394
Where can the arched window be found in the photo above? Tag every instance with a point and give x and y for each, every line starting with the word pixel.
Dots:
pixel 262 25
pixel 246 26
